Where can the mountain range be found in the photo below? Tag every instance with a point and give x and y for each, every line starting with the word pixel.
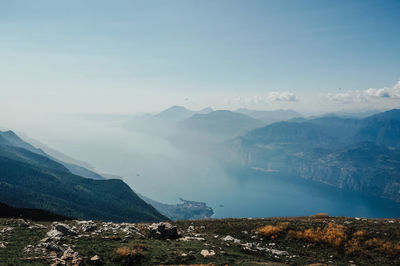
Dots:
pixel 219 125
pixel 7 211
pixel 29 178
pixel 360 155
pixel 272 116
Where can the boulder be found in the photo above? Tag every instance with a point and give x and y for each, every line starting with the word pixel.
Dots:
pixel 205 253
pixel 64 229
pixel 51 247
pixel 69 254
pixel 59 231
pixel 96 260
pixel 190 229
pixel 230 238
pixel 163 231
pixel 23 223
pixel 53 233
pixel 89 227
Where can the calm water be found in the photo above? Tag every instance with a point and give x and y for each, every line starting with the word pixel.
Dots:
pixel 157 169
pixel 262 196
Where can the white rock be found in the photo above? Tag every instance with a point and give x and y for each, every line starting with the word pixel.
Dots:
pixel 188 238
pixel 53 233
pixel 190 228
pixel 205 253
pixel 230 238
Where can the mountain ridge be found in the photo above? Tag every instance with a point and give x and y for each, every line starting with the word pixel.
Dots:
pixel 28 179
pixel 356 154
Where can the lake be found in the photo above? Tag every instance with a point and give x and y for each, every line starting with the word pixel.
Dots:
pixel 155 168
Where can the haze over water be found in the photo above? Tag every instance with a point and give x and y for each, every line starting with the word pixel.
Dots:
pixel 154 167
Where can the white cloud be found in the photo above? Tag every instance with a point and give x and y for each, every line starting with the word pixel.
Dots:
pixel 393 92
pixel 262 99
pixel 281 96
pixel 346 97
pixel 367 95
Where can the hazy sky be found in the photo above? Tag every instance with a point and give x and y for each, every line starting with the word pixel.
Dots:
pixel 139 56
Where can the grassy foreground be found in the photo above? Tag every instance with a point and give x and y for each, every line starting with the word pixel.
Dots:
pixel 270 241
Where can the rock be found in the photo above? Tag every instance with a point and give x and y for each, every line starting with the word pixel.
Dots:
pixel 37 226
pixel 163 231
pixel 51 247
pixel 69 255
pixel 230 238
pixel 96 259
pixel 59 230
pixel 64 229
pixel 2 245
pixel 6 230
pixel 89 227
pixel 46 239
pixel 205 253
pixel 54 234
pixel 23 223
pixel 77 262
pixel 190 229
pixel 255 247
pixel 188 238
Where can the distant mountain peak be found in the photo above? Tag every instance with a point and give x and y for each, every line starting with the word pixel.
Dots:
pixel 10 134
pixel 176 108
pixel 206 110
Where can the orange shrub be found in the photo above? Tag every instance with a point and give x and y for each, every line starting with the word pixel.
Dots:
pixel 272 231
pixel 124 251
pixel 383 246
pixel 359 234
pixel 332 234
pixel 321 215
pixel 130 254
pixel 353 246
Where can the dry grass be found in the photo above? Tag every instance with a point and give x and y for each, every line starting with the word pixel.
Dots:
pixel 355 245
pixel 272 231
pixel 358 244
pixel 333 235
pixel 383 246
pixel 131 254
pixel 320 215
pixel 360 234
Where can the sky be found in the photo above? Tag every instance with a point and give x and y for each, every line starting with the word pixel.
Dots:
pixel 123 57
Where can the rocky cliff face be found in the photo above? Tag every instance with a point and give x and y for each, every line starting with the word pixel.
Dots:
pixel 376 173
pixel 357 155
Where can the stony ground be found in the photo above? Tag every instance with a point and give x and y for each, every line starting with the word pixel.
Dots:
pixel 318 240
